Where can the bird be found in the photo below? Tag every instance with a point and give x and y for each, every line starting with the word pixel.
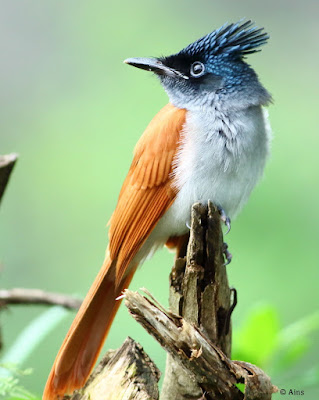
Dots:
pixel 209 143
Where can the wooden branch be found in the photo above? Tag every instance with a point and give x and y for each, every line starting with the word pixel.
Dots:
pixel 36 296
pixel 196 332
pixel 127 373
pixel 215 373
pixel 199 292
pixel 6 165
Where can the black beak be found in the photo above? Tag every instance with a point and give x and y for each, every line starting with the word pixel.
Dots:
pixel 154 65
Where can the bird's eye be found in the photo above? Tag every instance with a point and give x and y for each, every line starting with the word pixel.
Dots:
pixel 197 69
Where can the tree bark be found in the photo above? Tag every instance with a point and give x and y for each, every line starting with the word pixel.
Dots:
pixel 199 293
pixel 196 332
pixel 215 374
pixel 127 373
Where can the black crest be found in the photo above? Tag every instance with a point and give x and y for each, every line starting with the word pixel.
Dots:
pixel 236 39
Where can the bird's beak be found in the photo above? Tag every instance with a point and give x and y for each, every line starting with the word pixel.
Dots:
pixel 154 65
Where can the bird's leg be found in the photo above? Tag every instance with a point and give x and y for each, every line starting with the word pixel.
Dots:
pixel 225 219
pixel 227 254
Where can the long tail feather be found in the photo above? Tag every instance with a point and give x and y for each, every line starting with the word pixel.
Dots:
pixel 87 333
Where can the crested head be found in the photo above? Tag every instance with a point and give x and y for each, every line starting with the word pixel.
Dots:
pixel 230 40
pixel 213 69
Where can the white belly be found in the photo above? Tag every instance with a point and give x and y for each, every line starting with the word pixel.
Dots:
pixel 221 159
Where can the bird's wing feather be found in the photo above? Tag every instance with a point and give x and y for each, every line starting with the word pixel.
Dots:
pixel 146 194
pixel 147 191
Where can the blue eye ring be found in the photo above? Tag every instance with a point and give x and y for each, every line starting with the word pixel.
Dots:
pixel 197 69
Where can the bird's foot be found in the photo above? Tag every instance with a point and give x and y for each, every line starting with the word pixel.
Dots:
pixel 227 254
pixel 225 219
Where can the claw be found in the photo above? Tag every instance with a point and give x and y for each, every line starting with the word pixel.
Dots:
pixel 224 218
pixel 188 225
pixel 228 224
pixel 227 254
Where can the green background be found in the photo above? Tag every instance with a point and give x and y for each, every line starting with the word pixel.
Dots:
pixel 74 111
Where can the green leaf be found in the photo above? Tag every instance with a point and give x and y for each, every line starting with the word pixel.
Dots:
pixel 256 341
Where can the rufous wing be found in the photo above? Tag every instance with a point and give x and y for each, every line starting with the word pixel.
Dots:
pixel 147 191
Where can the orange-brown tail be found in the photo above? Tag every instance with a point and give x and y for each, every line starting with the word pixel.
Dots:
pixel 87 333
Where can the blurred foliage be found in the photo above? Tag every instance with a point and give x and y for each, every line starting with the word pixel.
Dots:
pixel 74 111
pixel 10 387
pixel 21 349
pixel 262 341
pixel 256 340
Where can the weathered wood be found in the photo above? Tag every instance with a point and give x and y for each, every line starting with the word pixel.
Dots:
pixel 214 372
pixel 178 383
pixel 125 374
pixel 6 165
pixel 200 294
pixel 196 331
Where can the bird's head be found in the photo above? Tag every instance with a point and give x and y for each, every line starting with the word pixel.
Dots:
pixel 212 69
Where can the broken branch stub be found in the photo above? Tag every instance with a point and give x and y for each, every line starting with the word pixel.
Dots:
pixel 7 163
pixel 213 371
pixel 196 332
pixel 127 373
